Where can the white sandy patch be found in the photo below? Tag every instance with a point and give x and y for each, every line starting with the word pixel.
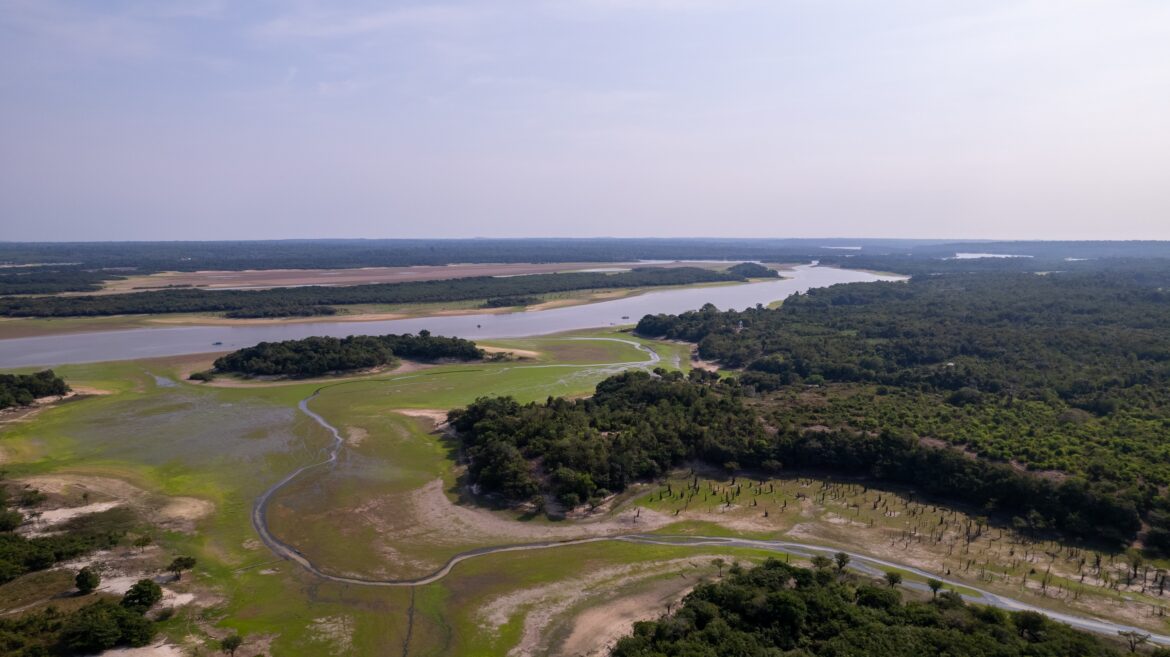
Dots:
pixel 172 599
pixel 175 513
pixel 438 416
pixel 157 650
pixel 45 521
pixel 519 353
pixel 542 604
pixel 122 582
pixel 597 629
pixel 448 522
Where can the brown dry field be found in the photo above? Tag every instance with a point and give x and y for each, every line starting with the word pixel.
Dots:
pixel 269 278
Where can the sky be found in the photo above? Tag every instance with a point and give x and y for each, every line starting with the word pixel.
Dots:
pixel 208 119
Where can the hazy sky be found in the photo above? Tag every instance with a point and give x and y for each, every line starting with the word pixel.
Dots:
pixel 190 119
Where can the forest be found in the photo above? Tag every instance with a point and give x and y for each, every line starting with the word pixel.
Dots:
pixel 1083 353
pixel 753 270
pixel 1065 374
pixel 51 268
pixel 146 257
pixel 24 389
pixel 1057 382
pixel 316 299
pixel 324 355
pixel 775 609
pixel 638 426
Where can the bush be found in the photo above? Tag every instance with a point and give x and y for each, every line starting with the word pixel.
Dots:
pixel 87 580
pixel 102 626
pixel 142 596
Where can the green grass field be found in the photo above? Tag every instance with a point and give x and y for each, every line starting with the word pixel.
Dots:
pixel 391 508
pixel 226 445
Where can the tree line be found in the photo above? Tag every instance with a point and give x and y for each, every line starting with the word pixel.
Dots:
pixel 315 356
pixel 638 426
pixel 24 389
pixel 145 257
pixel 776 609
pixel 51 268
pixel 295 300
pixel 1065 372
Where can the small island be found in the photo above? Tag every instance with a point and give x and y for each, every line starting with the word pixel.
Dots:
pixel 317 356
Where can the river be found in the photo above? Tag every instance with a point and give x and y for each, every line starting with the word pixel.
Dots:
pixel 128 344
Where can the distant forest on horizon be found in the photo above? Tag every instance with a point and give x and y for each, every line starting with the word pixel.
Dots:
pixel 55 267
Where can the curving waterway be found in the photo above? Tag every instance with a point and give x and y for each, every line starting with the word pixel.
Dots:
pixel 859 562
pixel 154 342
pixel 128 344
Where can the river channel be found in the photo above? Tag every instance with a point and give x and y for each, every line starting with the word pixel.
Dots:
pixel 128 344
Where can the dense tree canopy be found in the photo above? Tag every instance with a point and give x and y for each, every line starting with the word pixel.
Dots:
pixel 311 299
pixel 50 268
pixel 635 427
pixel 638 426
pixel 321 355
pixel 1065 374
pixel 776 609
pixel 24 389
pixel 753 270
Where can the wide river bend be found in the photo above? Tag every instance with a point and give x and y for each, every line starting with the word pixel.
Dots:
pixel 129 344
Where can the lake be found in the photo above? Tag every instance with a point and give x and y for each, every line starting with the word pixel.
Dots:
pixel 97 346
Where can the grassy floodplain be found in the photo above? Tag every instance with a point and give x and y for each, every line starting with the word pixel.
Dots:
pixel 141 424
pixel 392 508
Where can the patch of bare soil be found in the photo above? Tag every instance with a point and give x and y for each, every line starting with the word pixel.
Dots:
pixel 598 628
pixel 412 528
pixel 41 523
pixel 451 523
pixel 709 365
pixel 519 353
pixel 120 568
pixel 172 513
pixel 542 605
pixel 438 416
pixel 604 295
pixel 269 278
pixel 156 650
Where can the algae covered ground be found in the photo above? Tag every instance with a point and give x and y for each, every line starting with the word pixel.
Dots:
pixel 389 508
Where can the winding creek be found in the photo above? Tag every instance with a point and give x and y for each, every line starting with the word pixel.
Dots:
pixel 96 346
pixel 860 562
